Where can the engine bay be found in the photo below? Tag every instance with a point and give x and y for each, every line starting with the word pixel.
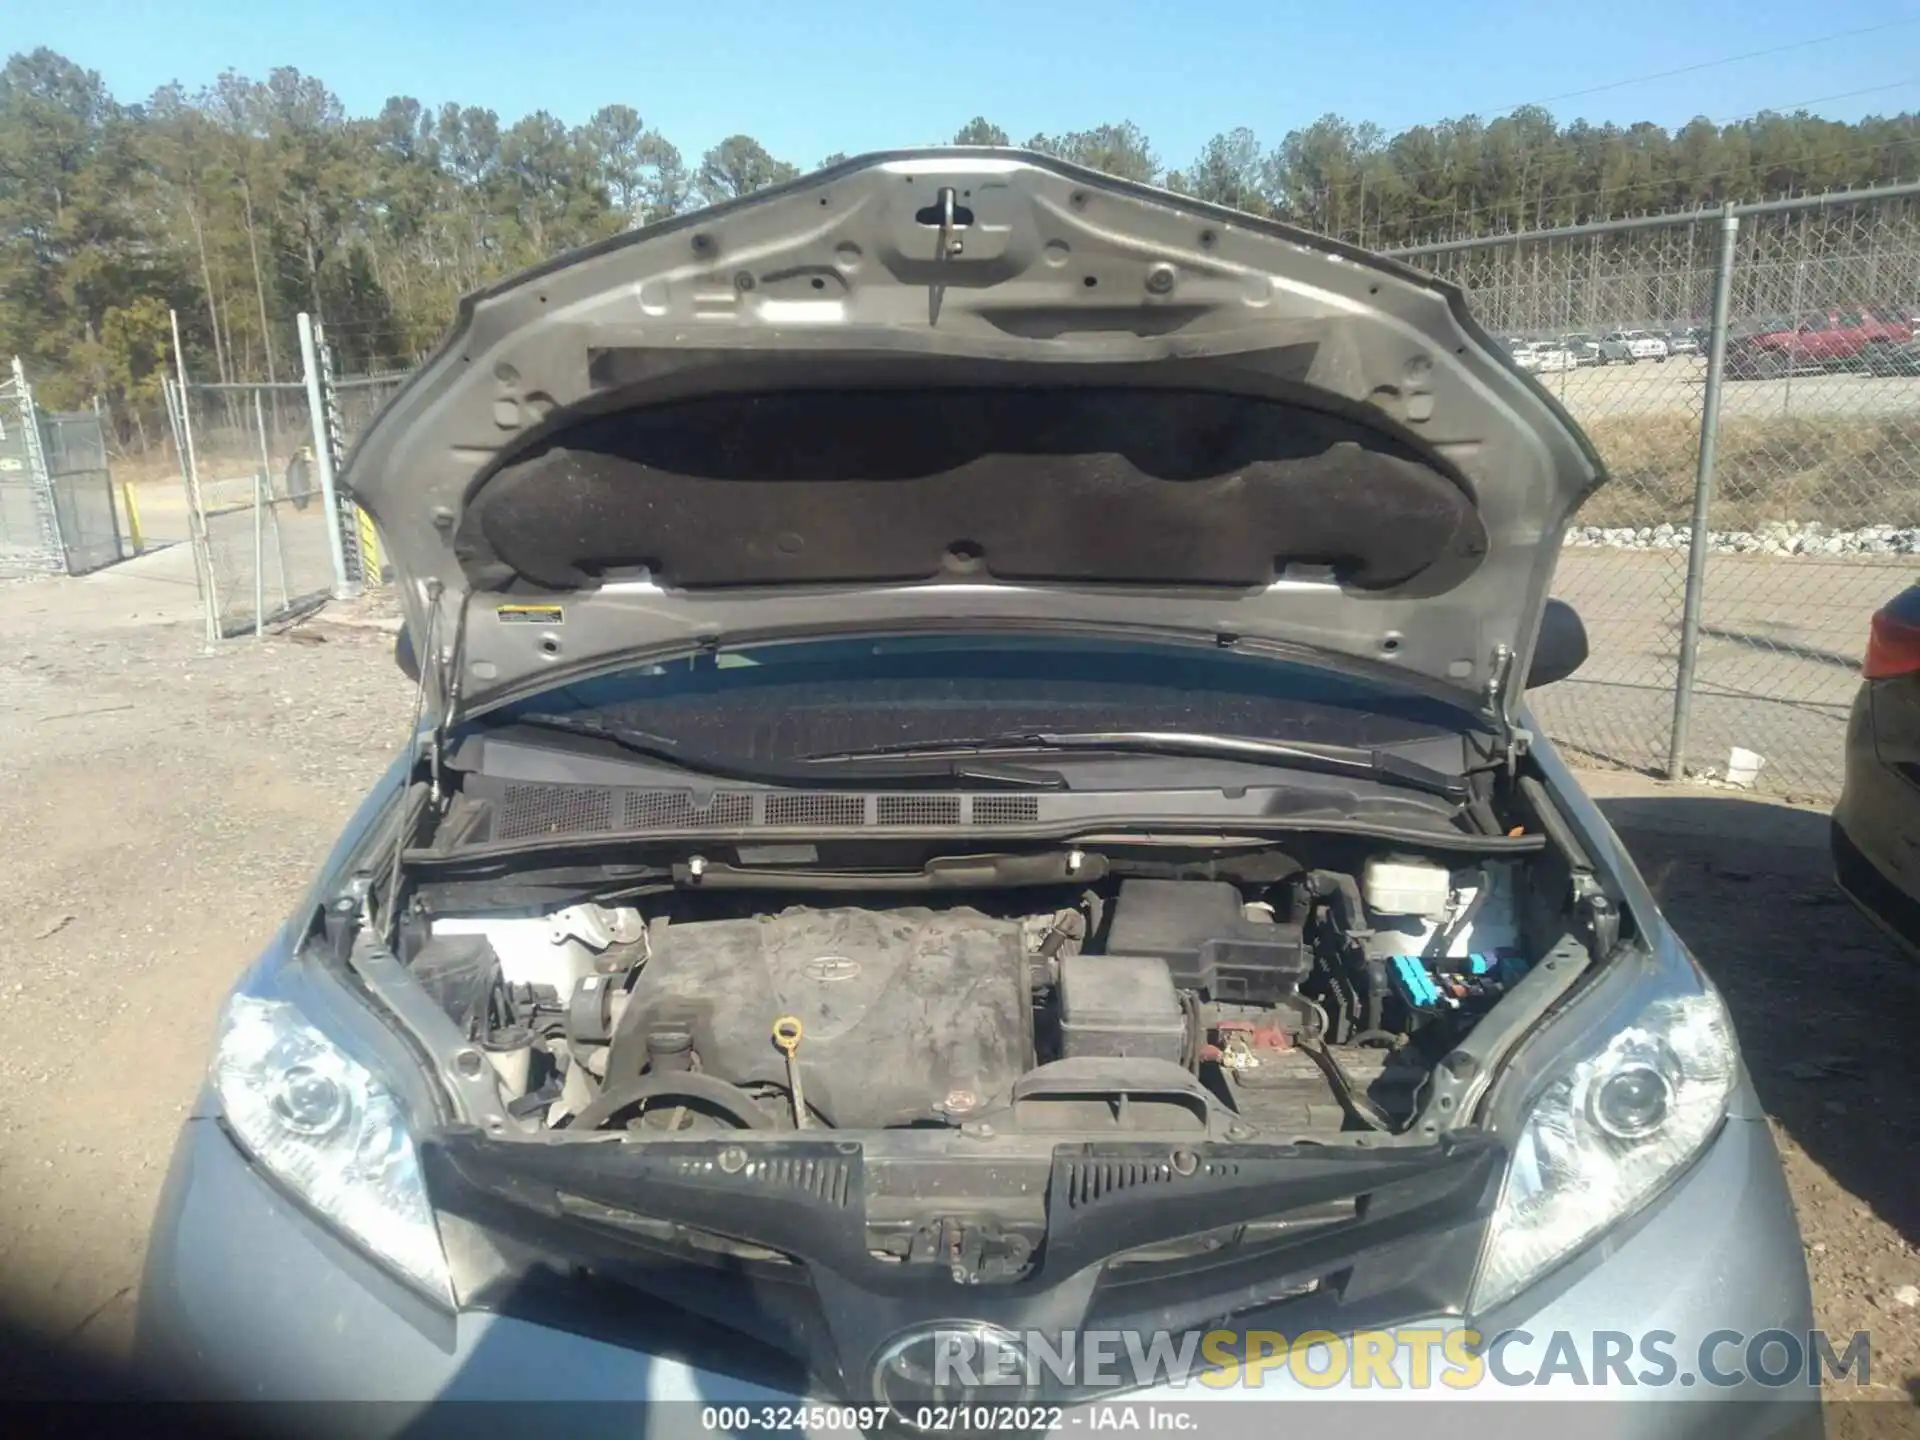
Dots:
pixel 1310 1002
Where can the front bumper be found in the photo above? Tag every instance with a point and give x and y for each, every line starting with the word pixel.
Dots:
pixel 246 1298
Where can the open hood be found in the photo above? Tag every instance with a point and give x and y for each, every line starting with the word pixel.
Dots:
pixel 963 388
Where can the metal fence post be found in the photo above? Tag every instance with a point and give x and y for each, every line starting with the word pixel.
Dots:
pixel 356 531
pixel 1702 498
pixel 323 456
pixel 190 476
pixel 262 492
pixel 271 509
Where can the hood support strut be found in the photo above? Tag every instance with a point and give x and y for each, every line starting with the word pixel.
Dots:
pixel 1514 739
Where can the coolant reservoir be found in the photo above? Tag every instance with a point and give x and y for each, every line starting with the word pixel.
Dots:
pixel 1406 887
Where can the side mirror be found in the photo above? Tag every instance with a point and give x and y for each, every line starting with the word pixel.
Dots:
pixel 409 662
pixel 1562 646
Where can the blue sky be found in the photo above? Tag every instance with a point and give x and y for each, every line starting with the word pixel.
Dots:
pixel 810 77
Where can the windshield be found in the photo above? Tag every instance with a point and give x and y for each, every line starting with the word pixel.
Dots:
pixel 787 701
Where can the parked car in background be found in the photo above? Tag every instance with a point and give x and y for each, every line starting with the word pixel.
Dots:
pixel 1641 344
pixel 1584 349
pixel 1552 357
pixel 1522 352
pixel 1885 325
pixel 1820 340
pixel 1900 359
pixel 1589 349
pixel 1682 342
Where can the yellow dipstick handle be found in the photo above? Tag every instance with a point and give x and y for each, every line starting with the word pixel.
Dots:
pixel 786 1034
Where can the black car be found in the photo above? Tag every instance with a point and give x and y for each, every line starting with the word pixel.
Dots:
pixel 1876 825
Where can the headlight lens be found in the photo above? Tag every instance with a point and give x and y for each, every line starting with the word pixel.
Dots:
pixel 1605 1134
pixel 330 1131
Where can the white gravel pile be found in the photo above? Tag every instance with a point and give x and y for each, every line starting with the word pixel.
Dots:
pixel 1776 537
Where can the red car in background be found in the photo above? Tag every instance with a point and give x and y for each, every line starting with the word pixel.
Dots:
pixel 1821 340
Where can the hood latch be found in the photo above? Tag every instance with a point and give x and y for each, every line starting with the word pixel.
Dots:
pixel 946 245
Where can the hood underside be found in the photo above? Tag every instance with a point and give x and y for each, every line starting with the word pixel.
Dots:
pixel 969 388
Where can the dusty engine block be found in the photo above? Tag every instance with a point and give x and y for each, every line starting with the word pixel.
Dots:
pixel 906 1014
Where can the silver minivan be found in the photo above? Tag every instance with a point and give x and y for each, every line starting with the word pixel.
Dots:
pixel 974 788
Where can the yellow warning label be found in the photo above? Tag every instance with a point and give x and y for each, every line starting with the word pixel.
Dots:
pixel 372 563
pixel 530 614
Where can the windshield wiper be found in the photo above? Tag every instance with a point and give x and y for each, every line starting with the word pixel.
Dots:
pixel 1380 765
pixel 669 751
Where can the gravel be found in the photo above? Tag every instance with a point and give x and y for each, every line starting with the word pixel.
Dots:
pixel 164 808
pixel 1776 537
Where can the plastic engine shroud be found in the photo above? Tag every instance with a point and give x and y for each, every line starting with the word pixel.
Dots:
pixel 903 1012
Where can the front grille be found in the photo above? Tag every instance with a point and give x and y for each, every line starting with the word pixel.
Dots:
pixel 816 810
pixel 1394 1238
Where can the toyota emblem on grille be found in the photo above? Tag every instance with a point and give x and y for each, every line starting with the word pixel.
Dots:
pixel 953 1362
pixel 832 967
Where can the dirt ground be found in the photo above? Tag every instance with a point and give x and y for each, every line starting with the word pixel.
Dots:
pixel 165 802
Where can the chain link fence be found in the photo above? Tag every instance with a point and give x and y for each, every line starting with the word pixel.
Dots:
pixel 58 512
pixel 358 398
pixel 258 520
pixel 1812 504
pixel 85 507
pixel 274 534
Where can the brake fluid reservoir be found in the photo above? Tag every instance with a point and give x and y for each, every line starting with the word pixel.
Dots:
pixel 1475 913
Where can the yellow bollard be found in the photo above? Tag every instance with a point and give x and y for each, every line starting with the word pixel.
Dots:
pixel 133 519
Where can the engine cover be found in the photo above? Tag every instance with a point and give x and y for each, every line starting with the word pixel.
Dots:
pixel 904 1012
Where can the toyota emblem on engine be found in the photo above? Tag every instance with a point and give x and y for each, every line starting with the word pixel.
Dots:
pixel 953 1362
pixel 832 967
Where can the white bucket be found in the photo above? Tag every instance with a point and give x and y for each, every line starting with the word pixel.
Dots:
pixel 1743 767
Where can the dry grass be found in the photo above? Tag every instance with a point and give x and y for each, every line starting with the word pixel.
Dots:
pixel 1840 470
pixel 156 466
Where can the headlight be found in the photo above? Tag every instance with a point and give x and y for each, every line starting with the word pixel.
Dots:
pixel 330 1131
pixel 1605 1133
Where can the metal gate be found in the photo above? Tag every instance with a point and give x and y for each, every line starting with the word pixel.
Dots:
pixel 75 451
